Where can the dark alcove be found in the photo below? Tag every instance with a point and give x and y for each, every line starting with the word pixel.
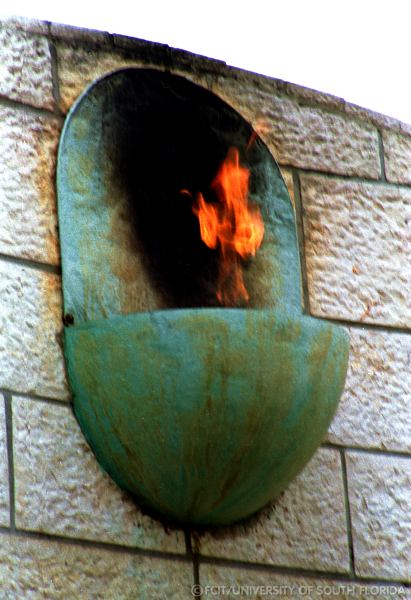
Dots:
pixel 169 135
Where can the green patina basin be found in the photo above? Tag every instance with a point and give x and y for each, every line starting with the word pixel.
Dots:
pixel 203 413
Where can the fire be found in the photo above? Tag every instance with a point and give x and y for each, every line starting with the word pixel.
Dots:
pixel 232 225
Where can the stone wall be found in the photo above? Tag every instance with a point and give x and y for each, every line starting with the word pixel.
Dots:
pixel 343 527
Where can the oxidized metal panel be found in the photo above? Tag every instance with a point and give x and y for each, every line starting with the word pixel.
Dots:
pixel 203 413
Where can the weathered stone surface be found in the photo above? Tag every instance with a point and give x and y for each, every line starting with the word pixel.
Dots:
pixel 306 526
pixel 375 408
pixel 48 570
pixel 373 117
pixel 305 136
pixel 61 489
pixel 380 499
pixel 25 67
pixel 312 96
pixel 132 43
pixel 405 128
pixel 4 472
pixel 69 32
pixel 397 155
pixel 253 584
pixel 78 67
pixel 358 251
pixel 24 23
pixel 31 360
pixel 28 224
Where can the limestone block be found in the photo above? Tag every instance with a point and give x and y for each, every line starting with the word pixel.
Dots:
pixel 234 582
pixel 380 120
pixel 397 155
pixel 132 43
pixel 39 569
pixel 304 136
pixel 358 251
pixel 305 527
pixel 312 96
pixel 380 499
pixel 375 408
pixel 24 23
pixel 68 32
pixel 405 128
pixel 4 471
pixel 25 67
pixel 61 489
pixel 31 359
pixel 78 67
pixel 28 224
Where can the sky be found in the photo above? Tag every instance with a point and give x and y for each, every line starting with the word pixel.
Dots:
pixel 359 50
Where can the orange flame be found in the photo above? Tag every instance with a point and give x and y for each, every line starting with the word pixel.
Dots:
pixel 232 224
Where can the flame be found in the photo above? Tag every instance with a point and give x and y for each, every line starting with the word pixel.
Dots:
pixel 232 225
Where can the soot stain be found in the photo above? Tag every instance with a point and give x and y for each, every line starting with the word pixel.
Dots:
pixel 170 135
